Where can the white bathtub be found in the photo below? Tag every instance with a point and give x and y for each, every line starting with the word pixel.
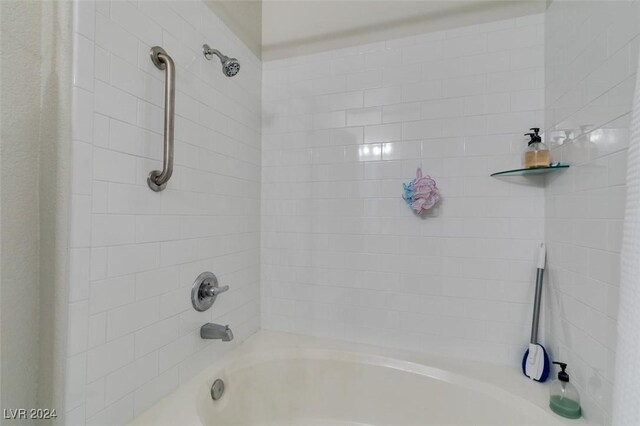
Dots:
pixel 279 379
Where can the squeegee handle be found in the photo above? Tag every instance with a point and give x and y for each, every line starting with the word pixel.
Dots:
pixel 538 296
pixel 536 306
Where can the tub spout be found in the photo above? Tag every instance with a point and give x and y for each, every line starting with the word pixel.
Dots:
pixel 216 331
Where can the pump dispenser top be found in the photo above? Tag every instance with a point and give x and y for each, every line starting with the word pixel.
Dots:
pixel 537 153
pixel 563 376
pixel 535 137
pixel 563 396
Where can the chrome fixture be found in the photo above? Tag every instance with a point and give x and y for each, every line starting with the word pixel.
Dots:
pixel 216 331
pixel 217 389
pixel 205 290
pixel 230 66
pixel 158 179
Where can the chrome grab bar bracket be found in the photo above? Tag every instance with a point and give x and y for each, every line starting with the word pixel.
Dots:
pixel 158 179
pixel 154 52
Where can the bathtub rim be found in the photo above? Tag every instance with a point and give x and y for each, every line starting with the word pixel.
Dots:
pixel 265 346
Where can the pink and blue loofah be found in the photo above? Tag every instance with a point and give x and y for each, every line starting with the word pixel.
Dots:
pixel 421 194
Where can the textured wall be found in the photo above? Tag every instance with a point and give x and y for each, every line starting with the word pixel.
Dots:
pixel 20 249
pixel 133 335
pixel 591 59
pixel 36 123
pixel 342 255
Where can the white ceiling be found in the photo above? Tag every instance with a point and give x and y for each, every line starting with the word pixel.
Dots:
pixel 243 17
pixel 297 27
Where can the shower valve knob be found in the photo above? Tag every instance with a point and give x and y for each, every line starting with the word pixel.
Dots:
pixel 205 290
pixel 211 291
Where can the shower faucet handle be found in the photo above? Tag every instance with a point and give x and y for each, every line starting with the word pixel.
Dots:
pixel 211 291
pixel 205 290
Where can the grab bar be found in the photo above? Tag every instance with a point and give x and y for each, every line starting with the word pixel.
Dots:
pixel 158 179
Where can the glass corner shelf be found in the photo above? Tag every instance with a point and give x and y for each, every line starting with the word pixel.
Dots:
pixel 531 170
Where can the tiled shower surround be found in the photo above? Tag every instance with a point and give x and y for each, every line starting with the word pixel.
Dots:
pixel 342 255
pixel 287 185
pixel 133 335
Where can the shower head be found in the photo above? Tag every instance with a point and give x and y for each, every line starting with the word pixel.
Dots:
pixel 230 66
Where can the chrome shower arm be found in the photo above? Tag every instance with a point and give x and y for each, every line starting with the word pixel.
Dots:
pixel 209 52
pixel 158 179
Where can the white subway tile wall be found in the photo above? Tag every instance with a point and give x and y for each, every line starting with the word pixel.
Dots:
pixel 133 336
pixel 342 255
pixel 287 185
pixel 591 60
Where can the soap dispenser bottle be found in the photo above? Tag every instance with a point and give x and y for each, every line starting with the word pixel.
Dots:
pixel 563 396
pixel 537 153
